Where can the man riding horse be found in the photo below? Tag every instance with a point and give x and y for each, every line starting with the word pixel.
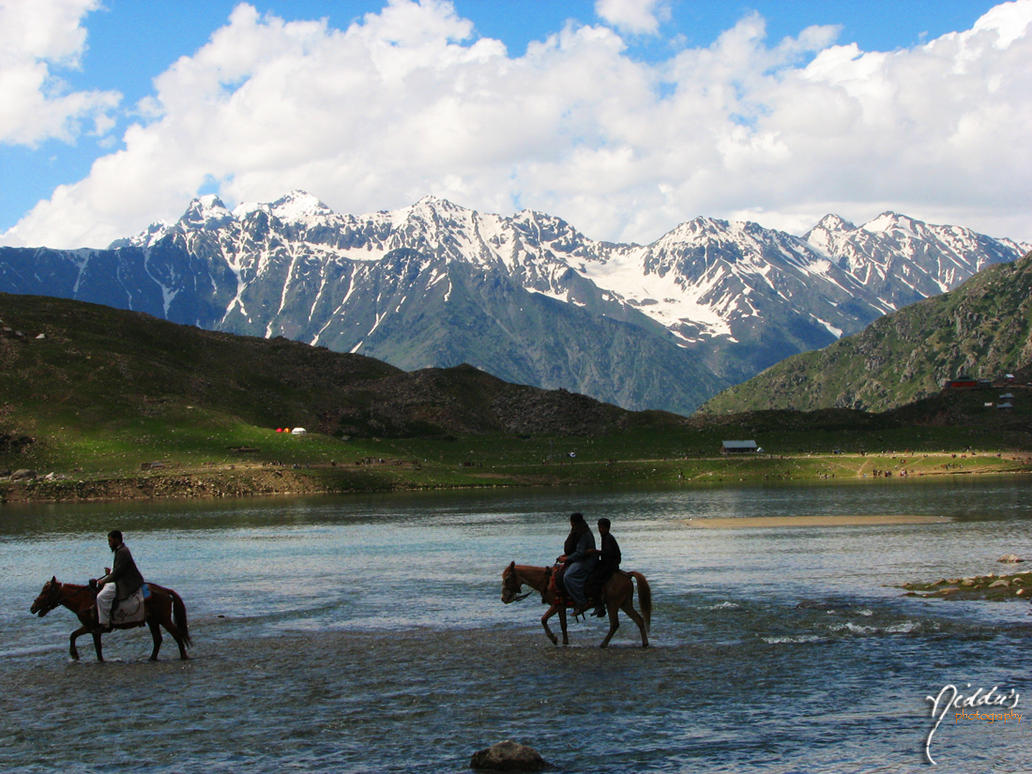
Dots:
pixel 121 582
pixel 95 609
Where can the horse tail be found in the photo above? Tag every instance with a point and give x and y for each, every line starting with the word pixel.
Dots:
pixel 179 617
pixel 644 598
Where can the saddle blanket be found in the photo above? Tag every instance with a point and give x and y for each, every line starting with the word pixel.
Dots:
pixel 131 609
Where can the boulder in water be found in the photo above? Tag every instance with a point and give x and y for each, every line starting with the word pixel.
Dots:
pixel 508 756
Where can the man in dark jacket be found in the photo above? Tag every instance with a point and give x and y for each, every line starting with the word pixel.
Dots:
pixel 609 562
pixel 121 582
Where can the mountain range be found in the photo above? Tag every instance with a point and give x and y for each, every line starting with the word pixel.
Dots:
pixel 527 298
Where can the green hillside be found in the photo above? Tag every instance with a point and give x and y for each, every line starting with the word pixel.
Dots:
pixel 983 329
pixel 99 403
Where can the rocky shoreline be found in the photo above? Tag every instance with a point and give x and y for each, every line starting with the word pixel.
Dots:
pixel 194 485
pixel 176 481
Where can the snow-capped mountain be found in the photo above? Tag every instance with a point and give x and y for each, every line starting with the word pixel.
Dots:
pixel 527 297
pixel 904 260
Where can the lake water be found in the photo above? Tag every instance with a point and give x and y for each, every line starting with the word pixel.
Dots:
pixel 368 635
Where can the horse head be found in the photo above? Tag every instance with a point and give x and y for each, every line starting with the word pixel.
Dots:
pixel 511 585
pixel 48 599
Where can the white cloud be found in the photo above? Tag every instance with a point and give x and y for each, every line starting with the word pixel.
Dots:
pixel 634 16
pixel 408 102
pixel 35 35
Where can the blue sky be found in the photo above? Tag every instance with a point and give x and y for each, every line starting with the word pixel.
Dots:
pixel 625 117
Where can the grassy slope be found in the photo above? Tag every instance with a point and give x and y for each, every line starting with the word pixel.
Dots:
pixel 105 395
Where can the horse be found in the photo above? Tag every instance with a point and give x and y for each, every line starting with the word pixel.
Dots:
pixel 163 607
pixel 619 595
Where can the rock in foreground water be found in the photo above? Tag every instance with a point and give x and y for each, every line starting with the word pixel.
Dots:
pixel 508 756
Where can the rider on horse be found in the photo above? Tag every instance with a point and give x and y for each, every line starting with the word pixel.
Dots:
pixel 579 560
pixel 608 563
pixel 121 582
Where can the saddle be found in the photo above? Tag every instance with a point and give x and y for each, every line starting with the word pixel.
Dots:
pixel 554 587
pixel 128 611
pixel 132 609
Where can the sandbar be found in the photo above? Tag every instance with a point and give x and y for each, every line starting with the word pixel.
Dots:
pixel 747 522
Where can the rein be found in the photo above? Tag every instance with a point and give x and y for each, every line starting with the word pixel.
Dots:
pixel 66 593
pixel 521 597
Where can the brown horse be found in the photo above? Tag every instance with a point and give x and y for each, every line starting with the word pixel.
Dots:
pixel 164 607
pixel 619 595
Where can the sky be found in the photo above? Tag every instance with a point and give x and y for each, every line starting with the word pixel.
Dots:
pixel 624 117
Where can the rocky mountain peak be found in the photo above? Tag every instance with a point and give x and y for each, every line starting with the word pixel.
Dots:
pixel 297 206
pixel 437 206
pixel 205 212
pixel 890 221
pixel 829 232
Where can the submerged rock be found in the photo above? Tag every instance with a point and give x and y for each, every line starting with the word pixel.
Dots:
pixel 508 756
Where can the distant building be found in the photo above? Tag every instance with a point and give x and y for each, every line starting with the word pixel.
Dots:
pixel 961 383
pixel 739 447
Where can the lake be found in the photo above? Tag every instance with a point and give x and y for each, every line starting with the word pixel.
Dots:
pixel 367 634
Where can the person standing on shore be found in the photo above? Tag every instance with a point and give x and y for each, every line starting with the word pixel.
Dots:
pixel 120 582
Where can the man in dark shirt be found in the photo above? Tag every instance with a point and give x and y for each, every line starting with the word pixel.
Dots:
pixel 121 582
pixel 609 562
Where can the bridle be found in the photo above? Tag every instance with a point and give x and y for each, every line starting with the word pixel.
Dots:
pixel 52 589
pixel 512 585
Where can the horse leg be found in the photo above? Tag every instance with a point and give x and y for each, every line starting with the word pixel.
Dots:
pixel 628 607
pixel 72 650
pixel 177 635
pixel 544 622
pixel 562 624
pixel 96 644
pixel 614 622
pixel 155 631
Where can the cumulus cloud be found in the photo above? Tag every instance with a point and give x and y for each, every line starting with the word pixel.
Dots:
pixel 634 16
pixel 35 36
pixel 408 101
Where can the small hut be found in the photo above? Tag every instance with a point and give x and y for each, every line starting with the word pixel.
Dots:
pixel 738 447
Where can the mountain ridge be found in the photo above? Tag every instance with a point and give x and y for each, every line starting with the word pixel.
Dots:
pixel 980 330
pixel 89 358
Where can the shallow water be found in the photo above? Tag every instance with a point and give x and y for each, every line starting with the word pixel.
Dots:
pixel 367 635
